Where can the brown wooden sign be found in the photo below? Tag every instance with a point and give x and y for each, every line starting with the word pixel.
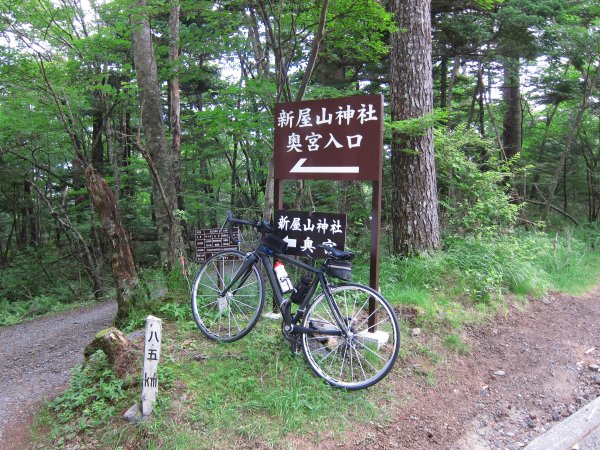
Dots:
pixel 303 231
pixel 212 241
pixel 330 139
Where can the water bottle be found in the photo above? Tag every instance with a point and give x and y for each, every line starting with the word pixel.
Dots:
pixel 282 277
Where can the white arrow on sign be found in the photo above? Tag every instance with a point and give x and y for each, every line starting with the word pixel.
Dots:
pixel 299 168
pixel 290 242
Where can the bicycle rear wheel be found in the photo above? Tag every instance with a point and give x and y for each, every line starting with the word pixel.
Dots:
pixel 367 353
pixel 230 316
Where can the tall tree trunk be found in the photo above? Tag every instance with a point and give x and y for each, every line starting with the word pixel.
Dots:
pixel 27 232
pixel 452 82
pixel 121 258
pixel 416 225
pixel 97 130
pixel 175 100
pixel 511 94
pixel 444 81
pixel 481 100
pixel 159 157
pixel 283 83
pixel 126 152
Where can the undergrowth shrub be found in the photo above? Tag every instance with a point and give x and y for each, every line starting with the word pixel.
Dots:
pixel 489 267
pixel 573 258
pixel 473 183
pixel 160 294
pixel 39 282
pixel 42 272
pixel 94 397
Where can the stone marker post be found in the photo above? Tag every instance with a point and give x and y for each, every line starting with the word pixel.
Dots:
pixel 151 356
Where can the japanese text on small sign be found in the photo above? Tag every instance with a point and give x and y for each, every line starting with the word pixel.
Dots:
pixel 304 231
pixel 153 336
pixel 211 241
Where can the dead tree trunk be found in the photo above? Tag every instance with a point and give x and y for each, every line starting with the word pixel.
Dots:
pixel 121 258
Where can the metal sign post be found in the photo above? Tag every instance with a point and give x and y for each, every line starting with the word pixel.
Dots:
pixel 333 139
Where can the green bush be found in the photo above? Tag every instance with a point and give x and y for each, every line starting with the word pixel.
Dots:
pixel 473 182
pixel 94 397
pixel 39 282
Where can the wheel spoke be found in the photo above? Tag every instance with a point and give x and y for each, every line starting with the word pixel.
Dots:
pixel 360 363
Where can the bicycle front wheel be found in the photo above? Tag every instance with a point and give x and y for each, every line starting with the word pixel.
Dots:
pixel 368 351
pixel 230 316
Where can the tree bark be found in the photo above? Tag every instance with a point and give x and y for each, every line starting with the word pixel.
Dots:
pixel 511 94
pixel 444 81
pixel 416 226
pixel 165 202
pixel 121 258
pixel 97 129
pixel 175 100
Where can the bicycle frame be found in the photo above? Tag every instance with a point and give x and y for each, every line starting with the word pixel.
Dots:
pixel 264 256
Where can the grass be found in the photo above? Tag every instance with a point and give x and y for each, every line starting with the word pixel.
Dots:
pixel 218 396
pixel 456 344
pixel 256 392
pixel 471 277
pixel 573 259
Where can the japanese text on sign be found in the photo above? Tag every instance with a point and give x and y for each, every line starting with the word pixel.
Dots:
pixel 304 231
pixel 153 335
pixel 329 139
pixel 314 141
pixel 211 241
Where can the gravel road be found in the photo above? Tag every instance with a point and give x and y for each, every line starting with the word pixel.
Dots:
pixel 36 359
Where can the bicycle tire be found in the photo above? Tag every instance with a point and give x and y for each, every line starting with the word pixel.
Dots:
pixel 232 316
pixel 367 355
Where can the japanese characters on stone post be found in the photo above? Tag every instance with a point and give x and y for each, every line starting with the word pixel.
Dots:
pixel 152 340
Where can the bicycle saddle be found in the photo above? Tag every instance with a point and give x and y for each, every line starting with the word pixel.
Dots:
pixel 336 253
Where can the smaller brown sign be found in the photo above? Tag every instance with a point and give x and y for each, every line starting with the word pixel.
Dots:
pixel 211 241
pixel 303 231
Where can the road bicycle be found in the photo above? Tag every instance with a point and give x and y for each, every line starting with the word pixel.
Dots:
pixel 348 332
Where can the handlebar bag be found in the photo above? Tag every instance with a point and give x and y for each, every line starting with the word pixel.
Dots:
pixel 274 243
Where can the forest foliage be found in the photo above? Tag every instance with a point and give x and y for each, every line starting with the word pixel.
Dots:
pixel 516 125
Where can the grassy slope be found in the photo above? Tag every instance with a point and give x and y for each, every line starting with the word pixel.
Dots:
pixel 255 391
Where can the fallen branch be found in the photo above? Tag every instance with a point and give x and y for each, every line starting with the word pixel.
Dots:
pixel 555 208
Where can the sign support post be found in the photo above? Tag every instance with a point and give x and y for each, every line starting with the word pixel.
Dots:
pixel 375 246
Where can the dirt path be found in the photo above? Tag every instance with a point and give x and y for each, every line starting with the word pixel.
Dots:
pixel 35 364
pixel 524 372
